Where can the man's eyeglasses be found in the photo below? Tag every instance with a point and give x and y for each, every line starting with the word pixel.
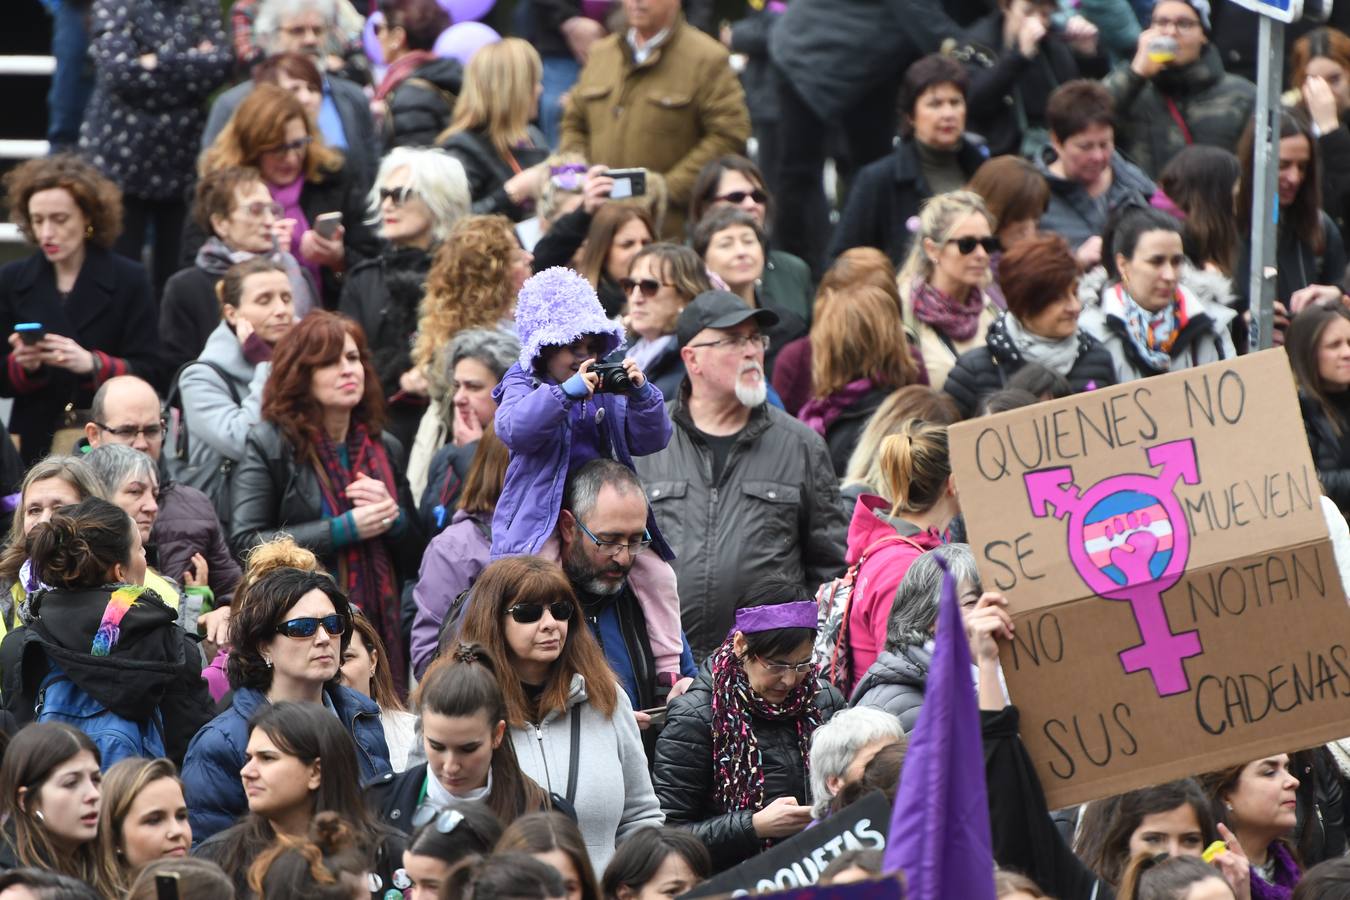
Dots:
pixel 648 286
pixel 779 669
pixel 258 208
pixel 967 245
pixel 739 341
pixel 299 145
pixel 529 613
pixel 612 548
pixel 738 197
pixel 1178 24
pixel 130 432
pixel 399 195
pixel 335 625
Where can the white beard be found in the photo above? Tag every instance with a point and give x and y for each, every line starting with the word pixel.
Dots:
pixel 752 395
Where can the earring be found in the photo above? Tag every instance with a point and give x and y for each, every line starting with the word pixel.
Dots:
pixel 37 814
pixel 1228 806
pixel 269 663
pixel 89 231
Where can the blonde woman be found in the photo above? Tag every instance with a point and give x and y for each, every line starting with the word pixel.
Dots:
pixel 947 309
pixel 491 134
pixel 143 818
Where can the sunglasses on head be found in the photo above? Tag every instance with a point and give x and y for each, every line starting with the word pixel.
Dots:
pixel 738 197
pixel 648 286
pixel 447 820
pixel 967 245
pixel 528 613
pixel 335 625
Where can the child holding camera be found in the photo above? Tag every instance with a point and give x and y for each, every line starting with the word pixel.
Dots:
pixel 558 409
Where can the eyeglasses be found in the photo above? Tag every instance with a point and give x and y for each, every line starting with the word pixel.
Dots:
pixel 447 820
pixel 257 208
pixel 740 341
pixel 967 245
pixel 130 432
pixel 529 613
pixel 335 625
pixel 648 286
pixel 399 195
pixel 738 197
pixel 612 548
pixel 776 668
pixel 1178 24
pixel 299 145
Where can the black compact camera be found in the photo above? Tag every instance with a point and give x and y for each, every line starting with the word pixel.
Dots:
pixel 613 379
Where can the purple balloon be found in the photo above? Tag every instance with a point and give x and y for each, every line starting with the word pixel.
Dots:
pixel 466 10
pixel 370 42
pixel 462 41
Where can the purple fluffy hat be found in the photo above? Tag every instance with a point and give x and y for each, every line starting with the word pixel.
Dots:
pixel 556 307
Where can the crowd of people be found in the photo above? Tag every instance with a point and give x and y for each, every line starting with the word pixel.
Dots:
pixel 428 473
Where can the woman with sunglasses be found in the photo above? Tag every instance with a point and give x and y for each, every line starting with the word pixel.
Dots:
pixel 662 280
pixel 271 132
pixel 288 633
pixel 448 841
pixel 419 195
pixel 572 727
pixel 942 283
pixel 92 558
pixel 299 761
pixel 731 764
pixel 462 714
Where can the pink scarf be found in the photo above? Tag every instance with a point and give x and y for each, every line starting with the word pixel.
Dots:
pixel 288 195
pixel 820 412
pixel 957 319
pixel 401 69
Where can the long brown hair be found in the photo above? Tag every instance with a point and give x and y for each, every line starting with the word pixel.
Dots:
pixel 469 285
pixel 607 222
pixel 546 832
pixel 382 689
pixel 487 474
pixel 288 398
pixel 258 124
pixel 122 784
pixel 464 682
pixel 529 579
pixel 859 334
pixel 1301 343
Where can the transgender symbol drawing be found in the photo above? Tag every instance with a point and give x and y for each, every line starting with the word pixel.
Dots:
pixel 1129 540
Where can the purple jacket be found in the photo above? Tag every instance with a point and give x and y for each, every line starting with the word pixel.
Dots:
pixel 452 563
pixel 533 419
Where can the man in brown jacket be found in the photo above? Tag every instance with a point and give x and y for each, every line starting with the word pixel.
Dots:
pixel 662 97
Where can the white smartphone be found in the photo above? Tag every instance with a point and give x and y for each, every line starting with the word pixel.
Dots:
pixel 327 224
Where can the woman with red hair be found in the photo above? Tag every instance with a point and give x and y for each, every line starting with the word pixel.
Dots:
pixel 319 468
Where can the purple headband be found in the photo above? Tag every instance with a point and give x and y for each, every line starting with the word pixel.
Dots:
pixel 802 614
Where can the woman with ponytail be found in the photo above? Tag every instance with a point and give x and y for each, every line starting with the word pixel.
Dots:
pixel 733 762
pixel 888 533
pixel 110 640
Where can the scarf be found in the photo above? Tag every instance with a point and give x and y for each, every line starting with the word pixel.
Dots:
pixel 110 626
pixel 738 764
pixel 215 259
pixel 1056 355
pixel 399 71
pixel 1152 333
pixel 958 320
pixel 288 195
pixel 820 412
pixel 364 569
pixel 1286 876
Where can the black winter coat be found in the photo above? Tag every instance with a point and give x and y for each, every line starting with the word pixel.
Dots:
pixel 109 309
pixel 382 294
pixel 188 312
pixel 1330 452
pixel 683 772
pixel 843 433
pixel 488 172
pixel 421 104
pixel 1319 834
pixel 153 666
pixel 886 193
pixel 984 370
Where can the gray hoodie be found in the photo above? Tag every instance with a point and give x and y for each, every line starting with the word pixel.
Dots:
pixel 614 795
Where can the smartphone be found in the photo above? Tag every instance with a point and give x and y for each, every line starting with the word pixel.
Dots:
pixel 30 332
pixel 166 886
pixel 327 224
pixel 657 713
pixel 628 183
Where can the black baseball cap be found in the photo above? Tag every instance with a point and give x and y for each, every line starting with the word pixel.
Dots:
pixel 718 309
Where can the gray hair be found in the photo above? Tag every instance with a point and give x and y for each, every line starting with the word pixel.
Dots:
pixel 916 600
pixel 438 180
pixel 116 464
pixel 835 744
pixel 271 13
pixel 583 488
pixel 493 348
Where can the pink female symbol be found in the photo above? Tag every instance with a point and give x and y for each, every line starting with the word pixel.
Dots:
pixel 1129 540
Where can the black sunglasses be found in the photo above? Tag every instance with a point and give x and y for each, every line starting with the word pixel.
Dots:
pixel 738 197
pixel 335 625
pixel 967 245
pixel 400 195
pixel 527 613
pixel 648 286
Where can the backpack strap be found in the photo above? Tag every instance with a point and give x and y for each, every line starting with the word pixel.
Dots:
pixel 850 581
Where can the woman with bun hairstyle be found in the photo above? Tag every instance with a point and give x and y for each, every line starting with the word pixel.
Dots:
pixel 332 862
pixel 114 639
pixel 50 797
pixel 143 818
pixel 463 717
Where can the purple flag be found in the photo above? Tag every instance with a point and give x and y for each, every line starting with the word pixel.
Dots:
pixel 939 833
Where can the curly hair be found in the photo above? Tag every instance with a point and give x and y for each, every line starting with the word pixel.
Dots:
pixel 469 285
pixel 99 200
pixel 253 624
pixel 258 124
pixel 288 399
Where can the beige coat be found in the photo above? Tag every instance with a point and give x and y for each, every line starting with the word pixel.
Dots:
pixel 940 352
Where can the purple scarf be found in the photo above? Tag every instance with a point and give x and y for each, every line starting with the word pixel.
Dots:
pixel 820 412
pixel 957 319
pixel 1287 875
pixel 288 195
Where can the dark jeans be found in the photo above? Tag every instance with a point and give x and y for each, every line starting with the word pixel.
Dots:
pixel 802 225
pixel 73 80
pixel 159 223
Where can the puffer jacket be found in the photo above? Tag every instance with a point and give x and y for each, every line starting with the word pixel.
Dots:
pixel 153 666
pixel 613 794
pixel 215 794
pixel 1215 106
pixel 488 172
pixel 775 511
pixel 453 561
pixel 895 684
pixel 984 370
pixel 187 525
pixel 1076 216
pixel 684 770
pixel 421 105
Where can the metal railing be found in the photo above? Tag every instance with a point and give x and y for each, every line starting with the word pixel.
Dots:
pixel 32 66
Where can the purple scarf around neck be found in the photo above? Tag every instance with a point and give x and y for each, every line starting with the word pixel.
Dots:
pixel 1287 875
pixel 820 412
pixel 957 319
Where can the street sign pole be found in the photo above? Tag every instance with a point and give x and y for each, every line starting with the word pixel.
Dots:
pixel 1265 168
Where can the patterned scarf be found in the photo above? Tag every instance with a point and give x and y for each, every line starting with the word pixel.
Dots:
pixel 364 569
pixel 957 319
pixel 110 626
pixel 738 765
pixel 1153 333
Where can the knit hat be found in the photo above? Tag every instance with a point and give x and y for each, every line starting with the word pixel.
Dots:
pixel 555 308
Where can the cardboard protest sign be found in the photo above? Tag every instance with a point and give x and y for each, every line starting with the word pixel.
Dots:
pixel 798 861
pixel 1166 561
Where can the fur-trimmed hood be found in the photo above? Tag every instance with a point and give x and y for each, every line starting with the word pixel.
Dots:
pixel 555 308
